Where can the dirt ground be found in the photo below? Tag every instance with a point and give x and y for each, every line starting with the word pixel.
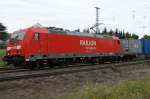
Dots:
pixel 57 87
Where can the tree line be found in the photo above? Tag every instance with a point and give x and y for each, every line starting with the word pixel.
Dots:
pixel 120 33
pixel 146 36
pixel 4 35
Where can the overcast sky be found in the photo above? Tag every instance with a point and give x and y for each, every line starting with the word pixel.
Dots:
pixel 130 15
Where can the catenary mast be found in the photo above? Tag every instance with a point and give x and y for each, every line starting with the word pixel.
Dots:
pixel 95 27
pixel 97 20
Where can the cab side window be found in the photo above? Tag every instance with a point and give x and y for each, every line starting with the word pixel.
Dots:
pixel 36 36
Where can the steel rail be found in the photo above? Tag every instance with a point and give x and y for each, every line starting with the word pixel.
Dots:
pixel 73 69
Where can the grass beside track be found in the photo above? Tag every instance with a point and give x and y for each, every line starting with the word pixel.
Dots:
pixel 2 64
pixel 2 53
pixel 137 89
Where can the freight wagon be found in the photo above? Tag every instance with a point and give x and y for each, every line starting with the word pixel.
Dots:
pixel 146 47
pixel 131 48
pixel 37 46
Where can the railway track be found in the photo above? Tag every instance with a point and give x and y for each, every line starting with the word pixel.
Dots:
pixel 24 74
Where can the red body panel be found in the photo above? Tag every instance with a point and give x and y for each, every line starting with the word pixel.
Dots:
pixel 70 44
pixel 56 43
pixel 32 46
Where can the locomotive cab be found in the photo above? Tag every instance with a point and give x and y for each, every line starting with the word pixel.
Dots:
pixel 23 44
pixel 14 44
pixel 14 48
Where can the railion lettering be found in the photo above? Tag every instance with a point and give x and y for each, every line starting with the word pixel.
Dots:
pixel 87 43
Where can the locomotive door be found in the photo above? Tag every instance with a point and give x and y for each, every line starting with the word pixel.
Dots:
pixel 43 42
pixel 38 45
pixel 34 47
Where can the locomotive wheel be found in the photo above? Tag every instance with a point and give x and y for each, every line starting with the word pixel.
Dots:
pixel 39 64
pixel 18 61
pixel 17 64
pixel 94 61
pixel 31 65
pixel 51 65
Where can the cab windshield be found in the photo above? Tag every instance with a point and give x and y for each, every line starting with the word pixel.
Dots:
pixel 17 36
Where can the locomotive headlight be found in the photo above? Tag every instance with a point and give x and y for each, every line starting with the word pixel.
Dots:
pixel 8 48
pixel 18 47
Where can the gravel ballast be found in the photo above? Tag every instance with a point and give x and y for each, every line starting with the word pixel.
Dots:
pixel 57 87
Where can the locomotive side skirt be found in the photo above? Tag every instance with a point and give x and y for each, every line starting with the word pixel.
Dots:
pixel 60 56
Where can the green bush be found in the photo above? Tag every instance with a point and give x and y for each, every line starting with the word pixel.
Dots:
pixel 2 63
pixel 2 46
pixel 2 53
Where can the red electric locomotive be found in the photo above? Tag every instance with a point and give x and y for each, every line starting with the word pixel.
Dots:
pixel 37 46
